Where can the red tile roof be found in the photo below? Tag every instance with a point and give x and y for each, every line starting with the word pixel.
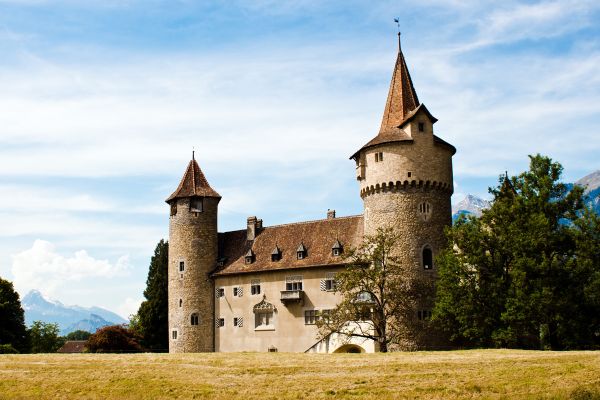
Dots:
pixel 193 183
pixel 318 238
pixel 72 346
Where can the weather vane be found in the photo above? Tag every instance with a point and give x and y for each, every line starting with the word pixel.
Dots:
pixel 397 21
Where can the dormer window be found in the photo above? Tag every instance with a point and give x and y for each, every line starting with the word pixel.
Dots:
pixel 301 252
pixel 276 254
pixel 421 127
pixel 336 249
pixel 379 156
pixel 196 204
pixel 249 257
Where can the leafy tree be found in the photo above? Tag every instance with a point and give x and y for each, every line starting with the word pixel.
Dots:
pixel 514 278
pixel 44 337
pixel 12 327
pixel 379 294
pixel 113 339
pixel 152 317
pixel 78 335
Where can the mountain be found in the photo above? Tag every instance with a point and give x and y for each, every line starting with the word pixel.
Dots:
pixel 38 308
pixel 591 183
pixel 470 205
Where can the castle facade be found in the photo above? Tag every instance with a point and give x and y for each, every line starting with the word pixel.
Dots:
pixel 263 288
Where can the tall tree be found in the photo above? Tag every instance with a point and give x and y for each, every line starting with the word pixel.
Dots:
pixel 379 293
pixel 45 337
pixel 512 277
pixel 152 316
pixel 12 329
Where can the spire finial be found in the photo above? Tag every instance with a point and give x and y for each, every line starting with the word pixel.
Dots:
pixel 397 21
pixel 193 153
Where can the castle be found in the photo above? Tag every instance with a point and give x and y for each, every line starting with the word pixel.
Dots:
pixel 264 287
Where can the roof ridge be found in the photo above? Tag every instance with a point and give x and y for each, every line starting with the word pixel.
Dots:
pixel 300 223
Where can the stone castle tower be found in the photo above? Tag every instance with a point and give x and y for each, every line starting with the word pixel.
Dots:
pixel 193 249
pixel 405 178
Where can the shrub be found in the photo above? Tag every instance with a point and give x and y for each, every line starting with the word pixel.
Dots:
pixel 7 349
pixel 113 339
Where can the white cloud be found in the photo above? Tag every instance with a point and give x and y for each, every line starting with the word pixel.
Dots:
pixel 129 307
pixel 42 268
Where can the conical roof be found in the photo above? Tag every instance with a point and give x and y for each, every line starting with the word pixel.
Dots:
pixel 402 97
pixel 193 183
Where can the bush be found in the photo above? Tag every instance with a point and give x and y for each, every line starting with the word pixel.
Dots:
pixel 113 339
pixel 7 349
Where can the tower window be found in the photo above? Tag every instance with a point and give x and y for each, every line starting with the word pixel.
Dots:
pixel 181 266
pixel 427 258
pixel 409 174
pixel 421 127
pixel 196 204
pixel 425 211
pixel 379 156
pixel 255 286
pixel 174 208
pixel 174 334
pixel 194 319
pixel 180 302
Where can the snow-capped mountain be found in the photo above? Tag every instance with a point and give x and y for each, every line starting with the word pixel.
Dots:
pixel 68 318
pixel 471 205
pixel 591 183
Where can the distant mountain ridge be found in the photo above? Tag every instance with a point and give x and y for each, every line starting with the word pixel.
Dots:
pixel 68 318
pixel 470 205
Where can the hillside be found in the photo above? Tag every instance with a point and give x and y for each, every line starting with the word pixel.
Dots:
pixel 490 374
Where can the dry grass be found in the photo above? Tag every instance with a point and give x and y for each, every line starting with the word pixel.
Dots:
pixel 490 374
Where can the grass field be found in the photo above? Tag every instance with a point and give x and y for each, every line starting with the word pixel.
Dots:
pixel 489 374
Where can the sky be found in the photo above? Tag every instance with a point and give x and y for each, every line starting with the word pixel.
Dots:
pixel 102 102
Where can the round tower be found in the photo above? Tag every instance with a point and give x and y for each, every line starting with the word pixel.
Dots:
pixel 405 177
pixel 193 252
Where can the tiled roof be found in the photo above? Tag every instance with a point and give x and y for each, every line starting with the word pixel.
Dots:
pixel 317 237
pixel 72 346
pixel 193 183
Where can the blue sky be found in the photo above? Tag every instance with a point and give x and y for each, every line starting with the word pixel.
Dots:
pixel 103 101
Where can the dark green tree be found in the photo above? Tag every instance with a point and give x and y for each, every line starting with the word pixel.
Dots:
pixel 12 327
pixel 78 335
pixel 44 337
pixel 152 316
pixel 513 278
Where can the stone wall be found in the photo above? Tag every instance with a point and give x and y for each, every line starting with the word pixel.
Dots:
pixel 193 240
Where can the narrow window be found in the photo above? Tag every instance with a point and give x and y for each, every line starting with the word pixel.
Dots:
pixel 174 208
pixel 409 174
pixel 255 287
pixel 180 302
pixel 220 322
pixel 238 291
pixel 220 292
pixel 238 322
pixel 427 258
pixel 293 283
pixel 425 210
pixel 194 319
pixel 181 266
pixel 421 127
pixel 174 335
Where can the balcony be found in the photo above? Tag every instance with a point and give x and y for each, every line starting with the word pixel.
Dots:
pixel 292 296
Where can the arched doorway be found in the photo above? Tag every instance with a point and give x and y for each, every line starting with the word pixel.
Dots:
pixel 349 348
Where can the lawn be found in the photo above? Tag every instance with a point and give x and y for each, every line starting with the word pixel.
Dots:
pixel 488 374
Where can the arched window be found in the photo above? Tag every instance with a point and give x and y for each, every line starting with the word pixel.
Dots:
pixel 194 319
pixel 427 258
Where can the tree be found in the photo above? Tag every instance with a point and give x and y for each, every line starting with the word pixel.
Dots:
pixel 514 278
pixel 113 339
pixel 152 317
pixel 44 337
pixel 78 335
pixel 12 329
pixel 378 293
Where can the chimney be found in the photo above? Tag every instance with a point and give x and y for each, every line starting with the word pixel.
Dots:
pixel 330 214
pixel 254 225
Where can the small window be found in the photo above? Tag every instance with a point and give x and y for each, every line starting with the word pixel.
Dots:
pixel 310 317
pixel 379 156
pixel 238 291
pixel 174 335
pixel 220 292
pixel 421 127
pixel 174 208
pixel 194 319
pixel 249 257
pixel 336 249
pixel 328 284
pixel 276 254
pixel 220 322
pixel 409 174
pixel 427 258
pixel 425 210
pixel 180 302
pixel 300 255
pixel 196 204
pixel 255 287
pixel 293 282
pixel 181 266
pixel 301 252
pixel 238 322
